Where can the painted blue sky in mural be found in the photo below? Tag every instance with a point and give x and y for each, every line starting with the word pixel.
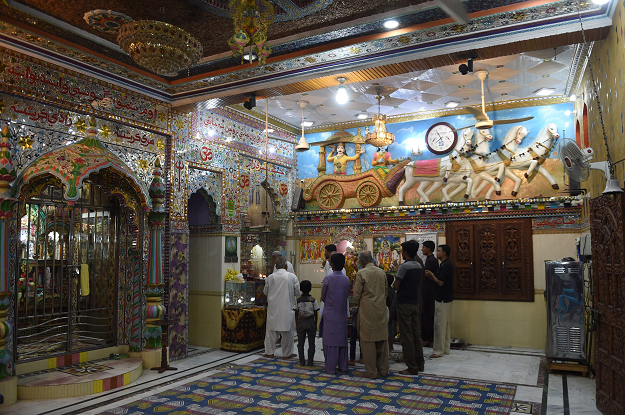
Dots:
pixel 411 135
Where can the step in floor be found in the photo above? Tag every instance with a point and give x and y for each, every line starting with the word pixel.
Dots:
pixel 79 379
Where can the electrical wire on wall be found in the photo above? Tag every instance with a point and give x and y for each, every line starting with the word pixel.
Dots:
pixel 588 299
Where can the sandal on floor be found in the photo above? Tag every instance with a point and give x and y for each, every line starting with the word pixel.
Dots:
pixel 435 356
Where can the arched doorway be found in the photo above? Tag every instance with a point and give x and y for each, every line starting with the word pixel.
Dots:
pixel 72 263
pixel 206 260
pixel 578 134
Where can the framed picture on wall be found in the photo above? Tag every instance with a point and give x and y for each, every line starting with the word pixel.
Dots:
pixel 422 237
pixel 386 252
pixel 231 249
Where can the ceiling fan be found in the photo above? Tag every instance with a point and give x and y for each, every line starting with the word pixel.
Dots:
pixel 482 120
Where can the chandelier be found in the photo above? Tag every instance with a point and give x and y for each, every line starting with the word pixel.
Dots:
pixel 379 137
pixel 251 20
pixel 159 47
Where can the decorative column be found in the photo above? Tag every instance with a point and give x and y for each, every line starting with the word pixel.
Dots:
pixel 322 161
pixel 8 382
pixel 155 310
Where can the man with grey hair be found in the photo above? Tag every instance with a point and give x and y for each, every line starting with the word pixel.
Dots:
pixel 277 254
pixel 370 291
pixel 281 289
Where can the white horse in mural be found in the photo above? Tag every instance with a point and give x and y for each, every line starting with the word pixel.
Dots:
pixel 529 158
pixel 496 163
pixel 453 170
pixel 533 157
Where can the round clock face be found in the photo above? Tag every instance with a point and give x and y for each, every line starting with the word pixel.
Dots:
pixel 441 138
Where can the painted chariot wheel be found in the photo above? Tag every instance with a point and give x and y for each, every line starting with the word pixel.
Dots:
pixel 329 195
pixel 368 194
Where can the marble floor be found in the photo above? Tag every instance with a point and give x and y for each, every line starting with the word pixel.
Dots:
pixel 538 393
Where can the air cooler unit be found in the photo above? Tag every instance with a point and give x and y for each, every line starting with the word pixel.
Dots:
pixel 565 311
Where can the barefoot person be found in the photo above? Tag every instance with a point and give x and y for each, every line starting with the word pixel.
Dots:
pixel 281 289
pixel 334 292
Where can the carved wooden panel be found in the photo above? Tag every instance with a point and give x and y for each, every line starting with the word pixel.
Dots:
pixel 493 259
pixel 608 253
pixel 461 243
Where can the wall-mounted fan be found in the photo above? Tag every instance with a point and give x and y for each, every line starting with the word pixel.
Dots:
pixel 482 120
pixel 576 162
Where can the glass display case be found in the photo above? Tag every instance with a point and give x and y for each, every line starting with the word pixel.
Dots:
pixel 244 294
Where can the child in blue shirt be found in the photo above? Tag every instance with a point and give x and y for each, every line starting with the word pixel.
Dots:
pixel 306 310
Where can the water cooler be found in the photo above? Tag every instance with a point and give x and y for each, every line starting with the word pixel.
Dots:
pixel 566 337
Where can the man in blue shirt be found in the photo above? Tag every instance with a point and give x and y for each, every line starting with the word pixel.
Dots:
pixel 407 282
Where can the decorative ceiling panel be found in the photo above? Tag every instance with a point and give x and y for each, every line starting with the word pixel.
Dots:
pixel 450 85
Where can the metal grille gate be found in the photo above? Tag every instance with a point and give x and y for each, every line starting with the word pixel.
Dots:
pixel 55 314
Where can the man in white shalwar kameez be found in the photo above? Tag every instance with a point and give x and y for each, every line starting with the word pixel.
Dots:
pixel 289 267
pixel 281 289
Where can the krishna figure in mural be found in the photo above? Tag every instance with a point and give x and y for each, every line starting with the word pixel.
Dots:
pixel 382 159
pixel 341 159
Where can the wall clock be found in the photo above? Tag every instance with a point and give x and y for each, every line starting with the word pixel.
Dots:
pixel 441 138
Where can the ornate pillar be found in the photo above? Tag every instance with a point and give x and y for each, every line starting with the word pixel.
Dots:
pixel 322 161
pixel 156 220
pixel 8 382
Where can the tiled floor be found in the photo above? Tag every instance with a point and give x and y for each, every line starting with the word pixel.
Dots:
pixel 493 364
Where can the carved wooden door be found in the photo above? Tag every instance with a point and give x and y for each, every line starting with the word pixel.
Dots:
pixel 608 254
pixel 461 242
pixel 493 259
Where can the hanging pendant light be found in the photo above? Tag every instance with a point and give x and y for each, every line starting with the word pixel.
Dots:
pixel 341 92
pixel 379 137
pixel 302 145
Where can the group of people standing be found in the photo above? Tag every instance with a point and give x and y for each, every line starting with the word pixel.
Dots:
pixel 423 298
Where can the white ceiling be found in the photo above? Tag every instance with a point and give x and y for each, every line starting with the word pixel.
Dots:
pixel 510 77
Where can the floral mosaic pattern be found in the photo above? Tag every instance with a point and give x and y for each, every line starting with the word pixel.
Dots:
pixel 178 294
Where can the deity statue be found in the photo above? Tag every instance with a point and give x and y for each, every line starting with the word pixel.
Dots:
pixel 385 256
pixel 382 159
pixel 341 159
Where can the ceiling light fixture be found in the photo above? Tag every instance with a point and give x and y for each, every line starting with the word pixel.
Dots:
pixel 391 24
pixel 307 123
pixel 452 104
pixel 379 137
pixel 567 112
pixel 600 2
pixel 159 47
pixel 302 145
pixel 341 92
pixel 363 116
pixel 572 98
pixel 545 91
pixel 268 130
pixel 246 57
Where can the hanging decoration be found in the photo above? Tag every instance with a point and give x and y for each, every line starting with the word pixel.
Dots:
pixel 379 137
pixel 251 19
pixel 159 47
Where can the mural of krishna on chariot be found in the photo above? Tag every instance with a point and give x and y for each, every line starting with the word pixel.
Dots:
pixel 439 160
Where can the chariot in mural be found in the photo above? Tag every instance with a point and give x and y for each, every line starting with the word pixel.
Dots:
pixel 331 190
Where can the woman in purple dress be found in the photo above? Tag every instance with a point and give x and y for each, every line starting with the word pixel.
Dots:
pixel 334 292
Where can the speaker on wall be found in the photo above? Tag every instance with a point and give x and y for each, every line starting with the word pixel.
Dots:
pixel 298 200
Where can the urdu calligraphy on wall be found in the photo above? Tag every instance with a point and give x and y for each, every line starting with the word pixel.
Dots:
pixel 244 137
pixel 70 88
